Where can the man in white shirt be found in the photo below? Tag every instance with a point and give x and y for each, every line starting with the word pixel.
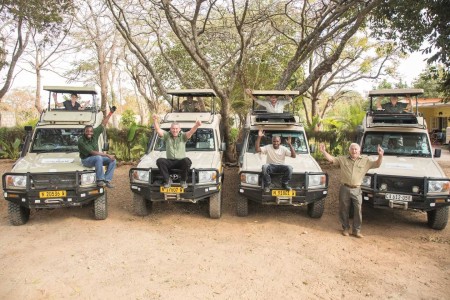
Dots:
pixel 276 155
pixel 274 105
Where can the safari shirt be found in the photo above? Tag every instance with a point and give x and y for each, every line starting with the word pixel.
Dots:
pixel 175 146
pixel 353 171
pixel 275 156
pixel 85 146
pixel 278 108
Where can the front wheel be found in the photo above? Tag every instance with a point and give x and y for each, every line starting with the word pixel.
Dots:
pixel 242 206
pixel 315 209
pixel 438 218
pixel 101 207
pixel 18 215
pixel 141 206
pixel 215 205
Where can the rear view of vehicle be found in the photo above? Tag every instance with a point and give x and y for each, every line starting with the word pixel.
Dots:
pixel 205 150
pixel 309 184
pixel 409 177
pixel 49 173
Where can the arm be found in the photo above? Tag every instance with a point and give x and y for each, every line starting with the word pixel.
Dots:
pixel 198 123
pixel 258 141
pixel 380 156
pixel 106 119
pixel 288 141
pixel 55 98
pixel 328 156
pixel 409 106
pixel 158 130
pixel 379 104
pixel 250 93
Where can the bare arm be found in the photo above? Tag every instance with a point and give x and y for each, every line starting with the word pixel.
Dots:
pixel 106 119
pixel 293 154
pixel 379 104
pixel 328 156
pixel 258 141
pixel 55 98
pixel 250 93
pixel 198 123
pixel 158 130
pixel 380 156
pixel 409 106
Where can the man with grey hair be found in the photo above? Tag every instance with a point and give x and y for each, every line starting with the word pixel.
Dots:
pixel 353 169
pixel 175 151
pixel 275 160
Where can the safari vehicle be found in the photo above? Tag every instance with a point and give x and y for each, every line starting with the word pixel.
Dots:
pixel 205 149
pixel 49 173
pixel 309 184
pixel 409 177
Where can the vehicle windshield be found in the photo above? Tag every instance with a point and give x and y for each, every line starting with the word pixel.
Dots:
pixel 298 140
pixel 201 140
pixel 403 144
pixel 56 140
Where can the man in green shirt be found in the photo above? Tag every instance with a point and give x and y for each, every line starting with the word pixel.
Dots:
pixel 175 151
pixel 92 157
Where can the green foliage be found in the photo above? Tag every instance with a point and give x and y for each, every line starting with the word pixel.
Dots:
pixel 430 81
pixel 10 150
pixel 128 119
pixel 128 144
pixel 234 133
pixel 10 139
pixel 30 122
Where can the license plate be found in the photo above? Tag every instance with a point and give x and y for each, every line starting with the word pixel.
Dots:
pixel 52 194
pixel 290 193
pixel 171 190
pixel 397 197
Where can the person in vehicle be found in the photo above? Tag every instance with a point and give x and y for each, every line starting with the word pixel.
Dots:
pixel 71 104
pixel 276 155
pixel 175 141
pixel 273 105
pixel 190 105
pixel 353 169
pixel 393 106
pixel 92 157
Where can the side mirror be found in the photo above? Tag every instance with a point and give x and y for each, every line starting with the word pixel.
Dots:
pixel 312 148
pixel 223 146
pixel 437 153
pixel 28 128
pixel 239 147
pixel 106 146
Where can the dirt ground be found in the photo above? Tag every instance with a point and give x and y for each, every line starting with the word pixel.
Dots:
pixel 177 252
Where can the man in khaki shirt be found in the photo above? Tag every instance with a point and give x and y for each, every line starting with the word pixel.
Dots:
pixel 353 169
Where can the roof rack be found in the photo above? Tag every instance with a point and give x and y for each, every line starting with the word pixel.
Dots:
pixel 274 118
pixel 205 117
pixel 381 119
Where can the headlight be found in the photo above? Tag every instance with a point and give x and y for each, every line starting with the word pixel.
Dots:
pixel 249 178
pixel 367 181
pixel 16 181
pixel 207 176
pixel 87 179
pixel 438 186
pixel 317 181
pixel 141 175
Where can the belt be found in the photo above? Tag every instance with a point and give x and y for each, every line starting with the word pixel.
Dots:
pixel 351 186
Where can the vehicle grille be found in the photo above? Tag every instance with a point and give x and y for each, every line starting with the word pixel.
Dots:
pixel 52 181
pixel 398 184
pixel 297 181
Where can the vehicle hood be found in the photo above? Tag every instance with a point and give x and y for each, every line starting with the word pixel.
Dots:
pixel 49 162
pixel 302 163
pixel 408 166
pixel 200 159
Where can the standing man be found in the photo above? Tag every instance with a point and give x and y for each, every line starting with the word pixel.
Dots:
pixel 273 105
pixel 175 151
pixel 275 160
pixel 395 107
pixel 92 157
pixel 353 169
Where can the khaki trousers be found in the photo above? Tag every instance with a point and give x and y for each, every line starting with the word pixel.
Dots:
pixel 347 197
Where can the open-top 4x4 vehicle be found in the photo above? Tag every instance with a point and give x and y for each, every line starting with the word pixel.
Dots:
pixel 309 184
pixel 49 173
pixel 409 177
pixel 205 150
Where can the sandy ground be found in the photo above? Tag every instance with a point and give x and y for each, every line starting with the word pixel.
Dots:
pixel 177 252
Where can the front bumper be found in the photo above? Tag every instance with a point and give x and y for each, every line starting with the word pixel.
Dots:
pixel 30 196
pixel 193 193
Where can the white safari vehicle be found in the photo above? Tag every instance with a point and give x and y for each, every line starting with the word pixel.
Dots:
pixel 309 184
pixel 409 177
pixel 49 173
pixel 205 149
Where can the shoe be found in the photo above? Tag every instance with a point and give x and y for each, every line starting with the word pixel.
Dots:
pixel 184 184
pixel 358 235
pixel 109 185
pixel 167 184
pixel 101 183
pixel 286 186
pixel 345 232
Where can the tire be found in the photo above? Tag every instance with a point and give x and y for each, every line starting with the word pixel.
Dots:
pixel 18 215
pixel 101 207
pixel 438 218
pixel 141 206
pixel 242 206
pixel 315 209
pixel 215 205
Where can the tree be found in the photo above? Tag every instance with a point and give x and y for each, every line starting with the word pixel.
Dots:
pixel 429 83
pixel 20 18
